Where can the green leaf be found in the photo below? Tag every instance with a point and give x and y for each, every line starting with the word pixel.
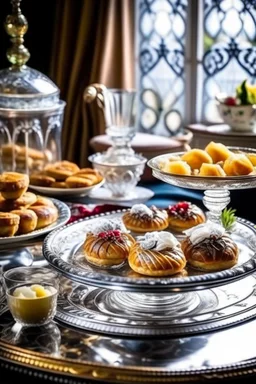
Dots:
pixel 241 93
pixel 228 218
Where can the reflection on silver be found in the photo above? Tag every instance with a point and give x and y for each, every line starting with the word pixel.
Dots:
pixel 128 313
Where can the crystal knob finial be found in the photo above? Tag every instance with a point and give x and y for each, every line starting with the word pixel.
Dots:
pixel 16 26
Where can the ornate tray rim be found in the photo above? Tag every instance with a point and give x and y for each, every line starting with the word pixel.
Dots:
pixel 31 362
pixel 144 284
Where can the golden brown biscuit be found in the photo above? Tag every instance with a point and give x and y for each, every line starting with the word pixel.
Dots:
pixel 8 150
pixel 61 169
pixel 34 154
pixel 24 201
pixel 13 185
pixel 43 201
pixel 9 224
pixel 28 220
pixel 41 180
pixel 46 215
pixel 59 184
pixel 78 182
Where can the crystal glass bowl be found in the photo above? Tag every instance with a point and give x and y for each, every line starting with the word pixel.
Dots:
pixel 122 174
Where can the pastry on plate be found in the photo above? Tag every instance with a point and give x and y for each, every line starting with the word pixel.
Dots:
pixel 28 220
pixel 107 244
pixel 209 248
pixel 78 182
pixel 211 170
pixel 196 157
pixel 46 215
pixel 61 169
pixel 23 201
pixel 141 218
pixel 157 254
pixel 41 180
pixel 238 164
pixel 184 215
pixel 13 185
pixel 217 151
pixel 9 224
pixel 41 200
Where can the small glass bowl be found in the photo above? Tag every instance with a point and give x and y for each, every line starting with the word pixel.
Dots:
pixel 31 294
pixel 121 173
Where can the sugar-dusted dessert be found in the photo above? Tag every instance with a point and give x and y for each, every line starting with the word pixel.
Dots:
pixel 196 157
pixel 208 247
pixel 184 215
pixel 107 243
pixel 157 254
pixel 238 164
pixel 217 151
pixel 141 218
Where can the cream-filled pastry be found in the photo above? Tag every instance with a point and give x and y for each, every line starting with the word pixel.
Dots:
pixel 107 243
pixel 141 218
pixel 184 215
pixel 208 247
pixel 157 254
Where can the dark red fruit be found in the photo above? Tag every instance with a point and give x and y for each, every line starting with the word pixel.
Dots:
pixel 230 101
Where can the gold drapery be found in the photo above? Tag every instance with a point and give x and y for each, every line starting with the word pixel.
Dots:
pixel 93 43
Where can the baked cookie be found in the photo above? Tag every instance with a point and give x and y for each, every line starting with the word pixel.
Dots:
pixel 9 224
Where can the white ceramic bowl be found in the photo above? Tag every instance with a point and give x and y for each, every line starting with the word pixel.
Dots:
pixel 239 117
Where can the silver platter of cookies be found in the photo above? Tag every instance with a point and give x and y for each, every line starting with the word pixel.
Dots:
pixel 148 249
pixel 24 214
pixel 65 178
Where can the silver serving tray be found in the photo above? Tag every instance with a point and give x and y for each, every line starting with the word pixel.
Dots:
pixel 62 249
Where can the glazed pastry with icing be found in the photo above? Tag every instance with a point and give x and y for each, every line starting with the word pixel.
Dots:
pixel 13 185
pixel 157 254
pixel 209 248
pixel 184 215
pixel 141 218
pixel 9 224
pixel 107 244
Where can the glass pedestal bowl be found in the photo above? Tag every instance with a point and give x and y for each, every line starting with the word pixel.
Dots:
pixel 216 188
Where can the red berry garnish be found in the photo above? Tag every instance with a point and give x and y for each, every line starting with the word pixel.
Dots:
pixel 181 208
pixel 230 101
pixel 114 235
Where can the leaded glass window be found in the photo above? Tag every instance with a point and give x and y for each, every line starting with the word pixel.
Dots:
pixel 161 46
pixel 187 52
pixel 229 49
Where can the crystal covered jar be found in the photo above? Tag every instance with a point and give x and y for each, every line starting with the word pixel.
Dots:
pixel 31 112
